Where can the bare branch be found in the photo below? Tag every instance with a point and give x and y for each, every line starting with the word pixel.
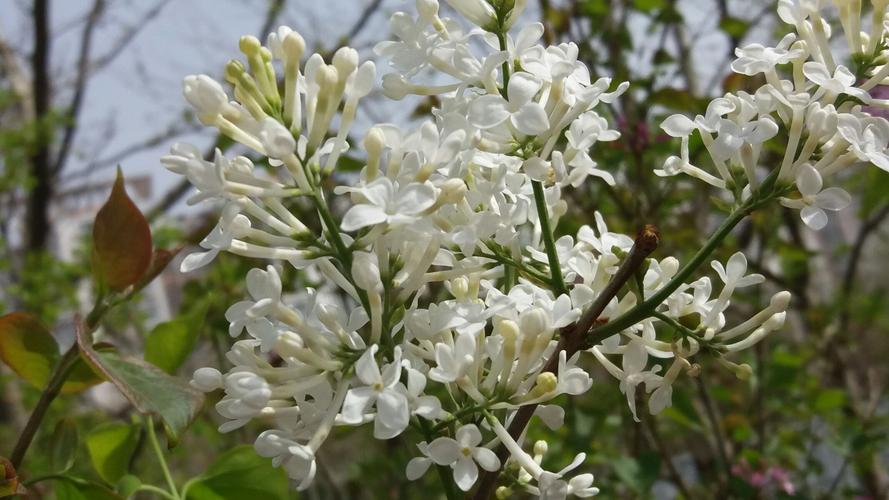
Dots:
pixel 128 36
pixel 80 83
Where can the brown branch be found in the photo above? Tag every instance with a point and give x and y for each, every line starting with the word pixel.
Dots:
pixel 37 217
pixel 128 36
pixel 573 338
pixel 80 83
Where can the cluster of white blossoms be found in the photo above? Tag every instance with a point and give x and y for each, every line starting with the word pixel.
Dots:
pixel 822 107
pixel 448 300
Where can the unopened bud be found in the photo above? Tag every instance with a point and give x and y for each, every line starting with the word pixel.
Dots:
pixel 533 321
pixel 249 45
pixel 452 191
pixel 207 379
pixel 540 447
pixel 366 271
pixel 780 301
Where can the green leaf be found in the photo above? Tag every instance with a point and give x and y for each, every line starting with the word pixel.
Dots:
pixel 734 27
pixel 75 489
pixel 150 390
pixel 64 442
pixel 829 400
pixel 128 485
pixel 110 447
pixel 121 240
pixel 169 344
pixel 240 473
pixel 648 5
pixel 638 473
pixel 28 347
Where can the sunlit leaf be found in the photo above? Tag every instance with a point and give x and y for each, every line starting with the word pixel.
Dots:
pixel 240 473
pixel 110 448
pixel 169 344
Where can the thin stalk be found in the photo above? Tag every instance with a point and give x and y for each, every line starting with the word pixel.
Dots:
pixel 53 387
pixel 155 445
pixel 555 268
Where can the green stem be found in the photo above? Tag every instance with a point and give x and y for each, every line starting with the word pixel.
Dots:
pixel 155 490
pixel 53 387
pixel 555 269
pixel 501 37
pixel 155 445
pixel 343 253
pixel 646 308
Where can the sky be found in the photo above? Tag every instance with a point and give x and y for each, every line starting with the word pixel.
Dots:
pixel 138 95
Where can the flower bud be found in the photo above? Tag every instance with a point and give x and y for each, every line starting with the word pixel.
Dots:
pixel 460 287
pixel 205 94
pixel 366 271
pixel 540 447
pixel 249 45
pixel 364 80
pixel 452 191
pixel 428 10
pixel 207 379
pixel 533 321
pixel 775 322
pixel 345 60
pixel 478 12
pixel 780 301
pixel 374 142
pixel 293 47
pixel 395 86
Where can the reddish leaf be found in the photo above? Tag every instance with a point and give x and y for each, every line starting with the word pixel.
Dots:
pixel 9 481
pixel 121 240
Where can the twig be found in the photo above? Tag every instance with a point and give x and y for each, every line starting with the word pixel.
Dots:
pixel 80 83
pixel 710 411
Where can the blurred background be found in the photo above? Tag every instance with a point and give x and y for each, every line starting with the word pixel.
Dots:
pixel 89 85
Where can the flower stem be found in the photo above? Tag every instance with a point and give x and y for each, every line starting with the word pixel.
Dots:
pixel 53 387
pixel 552 255
pixel 155 445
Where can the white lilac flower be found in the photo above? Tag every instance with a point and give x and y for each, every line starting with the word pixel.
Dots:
pixel 464 455
pixel 381 390
pixel 814 200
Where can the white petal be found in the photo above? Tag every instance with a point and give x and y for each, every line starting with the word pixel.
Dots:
pixel 357 400
pixel 197 260
pixel 465 473
pixel 362 216
pixel 488 111
pixel 808 180
pixel 486 458
pixel 678 126
pixel 833 198
pixel 417 467
pixel 814 217
pixel 521 89
pixel 444 451
pixel 414 198
pixel 366 367
pixel 531 119
pixel 469 435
